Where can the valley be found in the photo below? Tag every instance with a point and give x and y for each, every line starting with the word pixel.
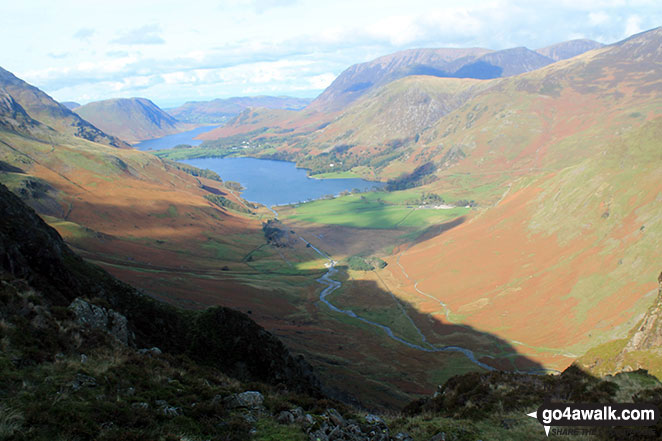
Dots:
pixel 514 225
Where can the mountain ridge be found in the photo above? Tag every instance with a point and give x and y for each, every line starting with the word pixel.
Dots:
pixel 220 110
pixel 49 112
pixel 131 119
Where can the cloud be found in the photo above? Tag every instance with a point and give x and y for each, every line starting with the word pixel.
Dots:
pixel 597 18
pixel 117 54
pixel 261 6
pixel 632 25
pixel 58 56
pixel 84 33
pixel 148 34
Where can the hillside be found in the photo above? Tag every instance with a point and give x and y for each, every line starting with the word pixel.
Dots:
pixel 131 119
pixel 220 110
pixel 359 78
pixel 475 63
pixel 49 112
pixel 569 49
pixel 367 78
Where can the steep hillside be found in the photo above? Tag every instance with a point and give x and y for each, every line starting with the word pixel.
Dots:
pixel 569 49
pixel 474 63
pixel 639 349
pixel 49 112
pixel 359 78
pixel 220 110
pixel 503 63
pixel 131 119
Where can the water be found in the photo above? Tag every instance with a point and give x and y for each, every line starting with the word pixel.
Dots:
pixel 277 182
pixel 168 142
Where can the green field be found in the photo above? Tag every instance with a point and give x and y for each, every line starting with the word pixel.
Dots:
pixel 379 210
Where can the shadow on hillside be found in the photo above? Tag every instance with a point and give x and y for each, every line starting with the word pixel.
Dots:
pixel 436 230
pixel 369 340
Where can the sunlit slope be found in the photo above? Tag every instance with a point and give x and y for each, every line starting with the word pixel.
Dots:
pixel 565 261
pixel 399 111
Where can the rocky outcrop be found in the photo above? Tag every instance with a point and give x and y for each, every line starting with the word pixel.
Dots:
pixel 97 317
pixel 649 333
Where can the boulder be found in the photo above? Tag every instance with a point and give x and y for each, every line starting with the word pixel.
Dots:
pixel 248 400
pixel 97 317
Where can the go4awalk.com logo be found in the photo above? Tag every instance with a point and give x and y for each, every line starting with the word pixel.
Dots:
pixel 594 414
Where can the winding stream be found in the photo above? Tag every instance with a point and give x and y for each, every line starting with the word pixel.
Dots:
pixel 332 285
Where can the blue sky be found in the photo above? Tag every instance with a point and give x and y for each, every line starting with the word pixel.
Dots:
pixel 177 51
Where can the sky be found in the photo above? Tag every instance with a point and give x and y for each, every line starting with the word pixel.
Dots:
pixel 177 51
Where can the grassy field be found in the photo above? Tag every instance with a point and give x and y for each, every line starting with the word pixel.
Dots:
pixel 377 210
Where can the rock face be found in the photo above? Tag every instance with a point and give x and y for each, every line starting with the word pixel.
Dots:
pixel 97 317
pixel 649 334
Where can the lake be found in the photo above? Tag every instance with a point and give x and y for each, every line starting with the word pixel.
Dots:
pixel 168 142
pixel 277 182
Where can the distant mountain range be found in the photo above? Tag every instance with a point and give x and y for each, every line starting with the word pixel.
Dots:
pixel 477 63
pixel 131 119
pixel 222 109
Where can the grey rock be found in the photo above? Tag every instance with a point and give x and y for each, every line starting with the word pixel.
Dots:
pixel 171 411
pixel 308 420
pixel 141 405
pixel 82 381
pixel 441 436
pixel 248 399
pixel 335 417
pixel 83 358
pixel 285 417
pixel 318 435
pixel 373 419
pixel 97 317
pixel 297 412
pixel 400 436
pixel 150 351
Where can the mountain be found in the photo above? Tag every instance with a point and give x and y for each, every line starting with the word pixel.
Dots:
pixel 13 117
pixel 131 119
pixel 49 112
pixel 503 63
pixel 474 63
pixel 220 110
pixel 359 78
pixel 71 105
pixel 569 49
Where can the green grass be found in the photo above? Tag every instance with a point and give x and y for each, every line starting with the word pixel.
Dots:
pixel 378 210
pixel 336 175
pixel 171 212
pixel 269 430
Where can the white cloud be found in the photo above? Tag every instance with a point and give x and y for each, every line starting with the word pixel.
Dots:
pixel 632 25
pixel 148 34
pixel 597 18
